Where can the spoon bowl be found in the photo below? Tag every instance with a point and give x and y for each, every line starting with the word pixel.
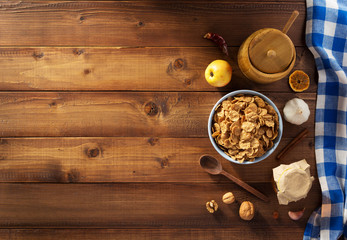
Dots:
pixel 213 166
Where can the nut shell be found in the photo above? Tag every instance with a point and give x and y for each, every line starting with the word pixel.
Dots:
pixel 246 210
pixel 228 198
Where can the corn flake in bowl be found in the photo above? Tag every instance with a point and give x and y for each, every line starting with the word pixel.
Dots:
pixel 245 127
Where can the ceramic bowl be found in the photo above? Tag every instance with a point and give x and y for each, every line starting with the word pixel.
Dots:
pixel 276 141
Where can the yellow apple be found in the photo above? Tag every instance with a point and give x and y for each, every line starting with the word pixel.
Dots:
pixel 218 73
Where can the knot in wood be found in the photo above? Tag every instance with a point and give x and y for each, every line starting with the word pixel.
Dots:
pixel 152 141
pixel 310 144
pixel 93 152
pixel 52 104
pixel 140 24
pixel 164 162
pixel 78 51
pixel 188 81
pixel 38 55
pixel 151 109
pixel 73 176
pixel 178 64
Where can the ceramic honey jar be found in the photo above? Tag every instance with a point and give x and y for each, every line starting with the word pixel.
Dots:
pixel 268 54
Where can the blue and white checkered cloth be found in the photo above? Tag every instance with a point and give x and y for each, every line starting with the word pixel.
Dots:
pixel 326 30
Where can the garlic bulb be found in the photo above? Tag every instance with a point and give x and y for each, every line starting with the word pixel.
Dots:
pixel 296 111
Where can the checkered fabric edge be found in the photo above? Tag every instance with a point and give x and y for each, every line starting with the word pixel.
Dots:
pixel 326 29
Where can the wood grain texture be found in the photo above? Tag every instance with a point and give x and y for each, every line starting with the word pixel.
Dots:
pixel 139 69
pixel 87 160
pixel 104 111
pixel 146 205
pixel 141 23
pixel 120 114
pixel 153 234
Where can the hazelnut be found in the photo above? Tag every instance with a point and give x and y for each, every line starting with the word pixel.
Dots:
pixel 212 206
pixel 228 198
pixel 246 210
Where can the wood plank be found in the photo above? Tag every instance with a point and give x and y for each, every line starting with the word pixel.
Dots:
pixel 135 69
pixel 120 114
pixel 153 234
pixel 148 205
pixel 141 23
pixel 83 162
pixel 72 160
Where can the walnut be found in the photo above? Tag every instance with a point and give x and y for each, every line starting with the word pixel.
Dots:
pixel 212 206
pixel 228 198
pixel 246 210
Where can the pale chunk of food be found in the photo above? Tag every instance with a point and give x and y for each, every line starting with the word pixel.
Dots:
pixel 262 111
pixel 252 107
pixel 236 128
pixel 220 115
pixel 293 181
pixel 245 127
pixel 232 115
pixel 248 126
pixel 246 211
pixel 269 133
pixel 245 136
pixel 270 110
pixel 251 117
pixel 260 102
pixel 244 145
pixel 269 123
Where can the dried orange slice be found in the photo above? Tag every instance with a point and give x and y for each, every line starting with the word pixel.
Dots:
pixel 299 81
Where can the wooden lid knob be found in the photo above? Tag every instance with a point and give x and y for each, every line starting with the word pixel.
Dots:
pixel 271 51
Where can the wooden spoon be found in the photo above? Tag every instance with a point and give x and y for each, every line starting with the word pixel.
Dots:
pixel 214 167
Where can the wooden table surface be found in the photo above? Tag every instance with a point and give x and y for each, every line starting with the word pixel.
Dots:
pixel 104 110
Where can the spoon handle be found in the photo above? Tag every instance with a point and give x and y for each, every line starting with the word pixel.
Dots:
pixel 290 22
pixel 245 186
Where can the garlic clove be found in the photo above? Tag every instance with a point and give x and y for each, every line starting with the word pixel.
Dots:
pixel 296 111
pixel 296 215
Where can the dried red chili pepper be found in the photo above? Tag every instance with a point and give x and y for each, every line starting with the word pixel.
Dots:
pixel 217 39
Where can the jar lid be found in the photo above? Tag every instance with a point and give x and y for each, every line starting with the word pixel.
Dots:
pixel 271 51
